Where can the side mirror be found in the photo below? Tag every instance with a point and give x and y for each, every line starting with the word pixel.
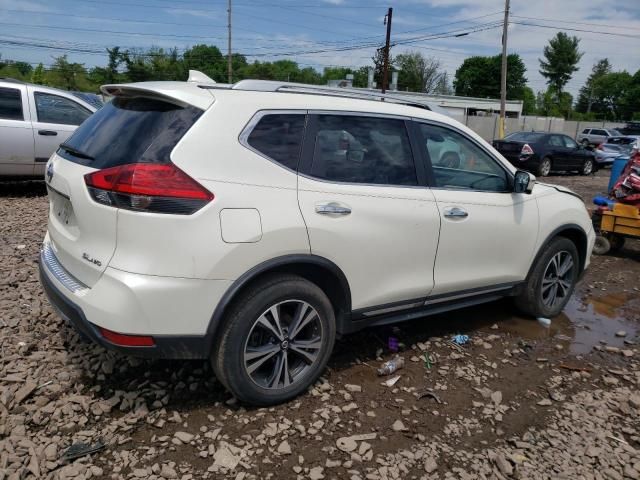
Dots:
pixel 523 182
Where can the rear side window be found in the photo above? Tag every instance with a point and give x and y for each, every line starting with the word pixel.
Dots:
pixel 599 132
pixel 60 110
pixel 129 130
pixel 10 104
pixel 586 131
pixel 278 136
pixel 359 149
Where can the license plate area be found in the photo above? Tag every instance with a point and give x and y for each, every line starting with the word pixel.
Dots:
pixel 61 209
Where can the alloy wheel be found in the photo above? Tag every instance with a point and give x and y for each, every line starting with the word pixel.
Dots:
pixel 557 279
pixel 546 167
pixel 283 345
pixel 587 168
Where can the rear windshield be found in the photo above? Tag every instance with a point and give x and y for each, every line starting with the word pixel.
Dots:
pixel 525 137
pixel 129 130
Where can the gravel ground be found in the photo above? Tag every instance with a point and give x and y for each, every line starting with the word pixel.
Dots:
pixel 520 400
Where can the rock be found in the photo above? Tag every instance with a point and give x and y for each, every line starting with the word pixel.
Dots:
pixel 545 402
pixel 634 400
pixel 346 444
pixel 353 388
pixel 316 473
pixel 398 426
pixel 621 333
pixel 24 391
pixel 349 407
pixel 503 464
pixel 284 448
pixel 496 397
pixel 51 452
pixel 224 458
pixel 430 465
pixel 168 472
pixel 184 437
pixel 140 473
pixel 592 451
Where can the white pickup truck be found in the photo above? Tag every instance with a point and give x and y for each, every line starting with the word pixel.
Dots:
pixel 34 120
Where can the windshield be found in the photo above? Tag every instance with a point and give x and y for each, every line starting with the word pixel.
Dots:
pixel 615 132
pixel 525 137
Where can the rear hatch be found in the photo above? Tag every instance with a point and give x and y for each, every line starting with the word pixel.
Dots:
pixel 129 131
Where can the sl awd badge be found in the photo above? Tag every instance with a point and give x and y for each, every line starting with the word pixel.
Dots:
pixel 86 257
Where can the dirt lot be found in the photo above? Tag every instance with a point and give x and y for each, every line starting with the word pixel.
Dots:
pixel 520 400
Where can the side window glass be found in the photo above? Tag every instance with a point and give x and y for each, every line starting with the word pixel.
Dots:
pixel 461 164
pixel 10 104
pixel 556 141
pixel 586 131
pixel 279 137
pixel 359 149
pixel 569 143
pixel 599 132
pixel 61 110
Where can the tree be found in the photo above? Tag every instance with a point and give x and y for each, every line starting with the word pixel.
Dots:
pixel 38 75
pixel 548 103
pixel 587 102
pixel 528 101
pixel 611 89
pixel 417 72
pixel 378 66
pixel 68 75
pixel 480 77
pixel 560 62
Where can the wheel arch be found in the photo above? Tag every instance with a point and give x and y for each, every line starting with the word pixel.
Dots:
pixel 571 231
pixel 318 270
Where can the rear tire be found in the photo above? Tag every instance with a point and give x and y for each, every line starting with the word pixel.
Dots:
pixel 544 168
pixel 550 284
pixel 602 245
pixel 275 341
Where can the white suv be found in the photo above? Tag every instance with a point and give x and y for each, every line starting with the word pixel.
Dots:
pixel 251 224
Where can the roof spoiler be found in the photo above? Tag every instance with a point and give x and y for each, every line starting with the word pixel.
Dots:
pixel 198 77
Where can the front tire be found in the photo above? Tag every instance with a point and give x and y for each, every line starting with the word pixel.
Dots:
pixel 587 167
pixel 552 280
pixel 276 340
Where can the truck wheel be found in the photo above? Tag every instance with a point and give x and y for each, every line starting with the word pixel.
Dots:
pixel 276 340
pixel 601 245
pixel 550 284
pixel 617 242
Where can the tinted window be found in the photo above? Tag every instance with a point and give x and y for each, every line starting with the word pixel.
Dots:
pixel 614 132
pixel 621 140
pixel 598 132
pixel 531 137
pixel 279 137
pixel 586 131
pixel 130 130
pixel 568 142
pixel 10 104
pixel 556 141
pixel 460 163
pixel 358 149
pixel 57 109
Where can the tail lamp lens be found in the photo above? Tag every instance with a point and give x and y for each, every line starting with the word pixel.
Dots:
pixel 148 187
pixel 526 150
pixel 124 340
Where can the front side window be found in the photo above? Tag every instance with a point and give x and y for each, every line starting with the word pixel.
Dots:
pixel 568 142
pixel 459 163
pixel 586 131
pixel 556 141
pixel 10 104
pixel 360 149
pixel 61 110
pixel 278 136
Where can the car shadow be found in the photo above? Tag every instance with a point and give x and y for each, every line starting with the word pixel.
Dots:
pixel 22 188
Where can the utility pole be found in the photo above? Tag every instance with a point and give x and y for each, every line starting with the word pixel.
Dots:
pixel 387 47
pixel 503 74
pixel 229 63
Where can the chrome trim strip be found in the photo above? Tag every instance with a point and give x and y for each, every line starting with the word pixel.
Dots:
pixel 467 294
pixel 392 309
pixel 49 259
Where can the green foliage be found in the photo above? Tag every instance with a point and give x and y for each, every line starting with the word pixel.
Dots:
pixel 612 89
pixel 528 101
pixel 480 77
pixel 417 72
pixel 560 62
pixel 550 104
pixel 38 75
pixel 587 101
pixel 18 70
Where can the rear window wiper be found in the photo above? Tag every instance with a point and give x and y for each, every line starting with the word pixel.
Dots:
pixel 75 152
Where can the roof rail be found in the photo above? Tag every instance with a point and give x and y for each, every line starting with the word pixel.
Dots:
pixel 289 87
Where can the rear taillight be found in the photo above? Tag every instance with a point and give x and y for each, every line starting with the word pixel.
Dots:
pixel 127 340
pixel 526 150
pixel 600 147
pixel 148 187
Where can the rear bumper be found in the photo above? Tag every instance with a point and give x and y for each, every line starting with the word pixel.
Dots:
pixel 135 305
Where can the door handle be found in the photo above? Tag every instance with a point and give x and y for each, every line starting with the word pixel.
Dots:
pixel 455 212
pixel 332 209
pixel 47 133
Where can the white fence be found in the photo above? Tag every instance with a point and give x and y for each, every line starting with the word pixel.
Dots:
pixel 487 127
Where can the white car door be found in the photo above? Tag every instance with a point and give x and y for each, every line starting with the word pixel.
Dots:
pixel 16 135
pixel 55 118
pixel 488 233
pixel 367 210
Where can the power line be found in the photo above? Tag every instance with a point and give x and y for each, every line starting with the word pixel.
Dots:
pixel 577 23
pixel 555 27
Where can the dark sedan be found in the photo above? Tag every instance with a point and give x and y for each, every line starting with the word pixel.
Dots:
pixel 542 152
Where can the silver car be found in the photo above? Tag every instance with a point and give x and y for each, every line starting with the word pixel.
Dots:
pixel 596 136
pixel 608 151
pixel 34 121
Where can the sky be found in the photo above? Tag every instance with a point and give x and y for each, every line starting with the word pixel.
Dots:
pixel 321 33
